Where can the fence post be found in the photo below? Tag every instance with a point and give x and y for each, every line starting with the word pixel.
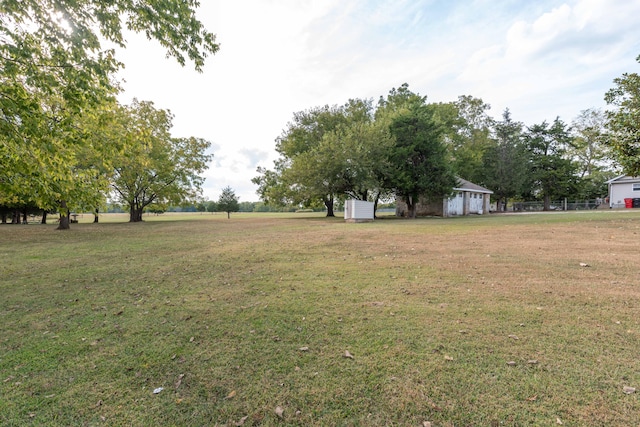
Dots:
pixel 565 204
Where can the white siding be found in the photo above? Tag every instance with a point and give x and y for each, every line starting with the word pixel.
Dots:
pixel 476 202
pixel 621 191
pixel 358 210
pixel 455 204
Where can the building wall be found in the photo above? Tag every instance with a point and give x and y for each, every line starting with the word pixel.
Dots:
pixel 620 191
pixel 461 203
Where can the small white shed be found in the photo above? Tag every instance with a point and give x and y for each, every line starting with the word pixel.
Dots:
pixel 358 211
pixel 621 188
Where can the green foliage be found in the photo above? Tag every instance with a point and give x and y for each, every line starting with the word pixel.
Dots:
pixel 552 174
pixel 55 81
pixel 155 167
pixel 624 121
pixel 419 158
pixel 331 153
pixel 228 201
pixel 326 152
pixel 212 207
pixel 466 133
pixel 504 162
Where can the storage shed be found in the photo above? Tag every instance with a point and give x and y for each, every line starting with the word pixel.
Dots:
pixel 624 187
pixel 468 198
pixel 358 211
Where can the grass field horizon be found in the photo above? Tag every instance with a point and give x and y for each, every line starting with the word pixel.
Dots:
pixel 297 319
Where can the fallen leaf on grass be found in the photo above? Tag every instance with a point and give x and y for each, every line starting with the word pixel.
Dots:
pixel 98 404
pixel 628 390
pixel 347 355
pixel 191 339
pixel 514 337
pixel 426 424
pixel 532 362
pixel 158 390
pixel 449 358
pixel 241 422
pixel 304 349
pixel 231 395
pixel 559 421
pixel 179 381
pixel 511 363
pixel 279 411
pixel 532 398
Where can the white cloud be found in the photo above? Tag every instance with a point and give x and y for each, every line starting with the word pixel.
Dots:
pixel 540 59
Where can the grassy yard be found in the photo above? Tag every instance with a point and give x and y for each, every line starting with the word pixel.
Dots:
pixel 483 321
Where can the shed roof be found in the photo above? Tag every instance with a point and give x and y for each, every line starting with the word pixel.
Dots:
pixel 623 179
pixel 464 185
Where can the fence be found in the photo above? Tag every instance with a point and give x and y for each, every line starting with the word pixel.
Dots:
pixel 558 205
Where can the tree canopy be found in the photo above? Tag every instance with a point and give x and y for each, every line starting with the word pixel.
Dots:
pixel 56 77
pixel 228 201
pixel 421 166
pixel 155 167
pixel 624 121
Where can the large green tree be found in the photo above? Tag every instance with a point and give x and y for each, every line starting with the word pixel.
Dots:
pixel 505 162
pixel 54 71
pixel 624 121
pixel 552 174
pixel 325 153
pixel 468 135
pixel 156 167
pixel 421 164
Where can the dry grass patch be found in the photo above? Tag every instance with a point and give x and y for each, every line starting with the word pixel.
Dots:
pixel 470 321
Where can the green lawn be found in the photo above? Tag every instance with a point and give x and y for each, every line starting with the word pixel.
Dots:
pixel 478 321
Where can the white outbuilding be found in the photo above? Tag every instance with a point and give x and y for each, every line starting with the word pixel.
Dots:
pixel 358 211
pixel 467 198
pixel 623 190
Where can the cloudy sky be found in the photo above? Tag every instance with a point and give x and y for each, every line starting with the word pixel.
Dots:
pixel 540 59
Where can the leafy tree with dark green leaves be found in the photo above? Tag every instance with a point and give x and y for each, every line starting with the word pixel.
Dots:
pixel 552 173
pixel 325 153
pixel 467 134
pixel 228 202
pixel 54 71
pixel 156 167
pixel 624 121
pixel 421 165
pixel 505 161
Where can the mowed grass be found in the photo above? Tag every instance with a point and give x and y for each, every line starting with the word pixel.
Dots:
pixel 482 321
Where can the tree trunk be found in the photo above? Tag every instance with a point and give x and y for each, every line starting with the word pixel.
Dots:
pixel 4 217
pixel 64 216
pixel 44 217
pixel 135 214
pixel 546 203
pixel 411 208
pixel 15 218
pixel 375 205
pixel 95 216
pixel 328 202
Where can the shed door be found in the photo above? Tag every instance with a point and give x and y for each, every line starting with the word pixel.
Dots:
pixel 455 204
pixel 475 202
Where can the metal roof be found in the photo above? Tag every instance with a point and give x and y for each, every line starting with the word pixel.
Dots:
pixel 464 185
